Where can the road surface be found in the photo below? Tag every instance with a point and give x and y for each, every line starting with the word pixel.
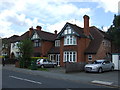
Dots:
pixel 12 79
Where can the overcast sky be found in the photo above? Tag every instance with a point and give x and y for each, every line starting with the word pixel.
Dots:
pixel 17 16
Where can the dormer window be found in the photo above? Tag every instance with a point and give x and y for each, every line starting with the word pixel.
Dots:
pixel 68 30
pixel 57 43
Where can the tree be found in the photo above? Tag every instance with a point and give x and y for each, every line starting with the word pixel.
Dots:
pixel 114 32
pixel 25 48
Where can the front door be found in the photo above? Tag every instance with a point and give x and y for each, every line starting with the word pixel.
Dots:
pixel 58 59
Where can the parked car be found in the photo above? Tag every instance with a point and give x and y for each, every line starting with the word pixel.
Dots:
pixel 99 66
pixel 45 63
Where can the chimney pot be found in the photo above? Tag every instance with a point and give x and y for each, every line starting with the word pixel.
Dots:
pixel 31 28
pixel 39 28
pixel 55 31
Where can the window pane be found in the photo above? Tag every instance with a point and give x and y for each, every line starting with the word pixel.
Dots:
pixel 67 40
pixel 65 32
pixel 74 40
pixel 67 56
pixel 74 56
pixel 70 56
pixel 89 57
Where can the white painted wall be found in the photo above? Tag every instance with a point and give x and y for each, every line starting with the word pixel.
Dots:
pixel 14 49
pixel 116 61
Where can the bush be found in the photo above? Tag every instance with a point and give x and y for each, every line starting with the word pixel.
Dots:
pixel 35 58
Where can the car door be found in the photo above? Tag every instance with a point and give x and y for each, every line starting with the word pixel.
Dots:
pixel 103 66
pixel 50 63
pixel 109 65
pixel 106 65
pixel 45 62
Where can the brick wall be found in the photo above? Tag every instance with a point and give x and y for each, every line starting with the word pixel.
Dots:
pixel 79 48
pixel 61 51
pixel 102 51
pixel 46 46
pixel 101 54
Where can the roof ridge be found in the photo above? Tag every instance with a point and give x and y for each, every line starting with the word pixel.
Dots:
pixel 98 30
pixel 75 25
pixel 45 32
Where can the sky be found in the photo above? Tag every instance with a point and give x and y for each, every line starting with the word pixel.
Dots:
pixel 17 16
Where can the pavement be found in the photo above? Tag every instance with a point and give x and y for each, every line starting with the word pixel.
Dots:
pixel 106 78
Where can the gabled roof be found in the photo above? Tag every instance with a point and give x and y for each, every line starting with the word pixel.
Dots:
pixel 10 39
pixel 95 43
pixel 22 37
pixel 98 36
pixel 46 35
pixel 78 30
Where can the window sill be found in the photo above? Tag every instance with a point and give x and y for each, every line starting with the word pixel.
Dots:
pixel 70 45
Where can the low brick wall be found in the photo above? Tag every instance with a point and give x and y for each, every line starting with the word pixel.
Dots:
pixel 74 67
pixel 10 61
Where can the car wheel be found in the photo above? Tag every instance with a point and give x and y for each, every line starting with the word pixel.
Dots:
pixel 53 66
pixel 112 68
pixel 42 66
pixel 100 70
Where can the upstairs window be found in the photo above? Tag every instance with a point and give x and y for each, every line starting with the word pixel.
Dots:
pixel 57 43
pixel 37 43
pixel 70 40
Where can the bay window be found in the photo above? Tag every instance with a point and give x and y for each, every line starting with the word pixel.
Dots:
pixel 70 56
pixel 70 40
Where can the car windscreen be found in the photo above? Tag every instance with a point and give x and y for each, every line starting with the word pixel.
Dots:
pixel 97 62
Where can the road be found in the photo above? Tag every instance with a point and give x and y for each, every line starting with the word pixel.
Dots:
pixel 12 79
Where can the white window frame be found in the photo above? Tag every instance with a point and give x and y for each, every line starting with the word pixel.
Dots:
pixel 35 36
pixel 70 40
pixel 70 56
pixel 52 57
pixel 68 30
pixel 89 56
pixel 57 43
pixel 37 43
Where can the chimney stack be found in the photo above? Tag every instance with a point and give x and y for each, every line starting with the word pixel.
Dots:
pixel 55 32
pixel 30 31
pixel 86 25
pixel 39 28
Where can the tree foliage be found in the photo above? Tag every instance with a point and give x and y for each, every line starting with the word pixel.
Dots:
pixel 25 48
pixel 114 31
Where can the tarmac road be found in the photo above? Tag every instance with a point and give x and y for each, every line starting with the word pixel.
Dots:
pixel 12 79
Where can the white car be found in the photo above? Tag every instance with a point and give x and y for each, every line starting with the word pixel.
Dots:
pixel 45 63
pixel 99 66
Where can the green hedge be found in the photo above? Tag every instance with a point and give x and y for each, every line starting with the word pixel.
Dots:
pixel 35 58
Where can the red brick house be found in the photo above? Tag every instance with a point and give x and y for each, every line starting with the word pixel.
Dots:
pixel 43 41
pixel 72 43
pixel 76 44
